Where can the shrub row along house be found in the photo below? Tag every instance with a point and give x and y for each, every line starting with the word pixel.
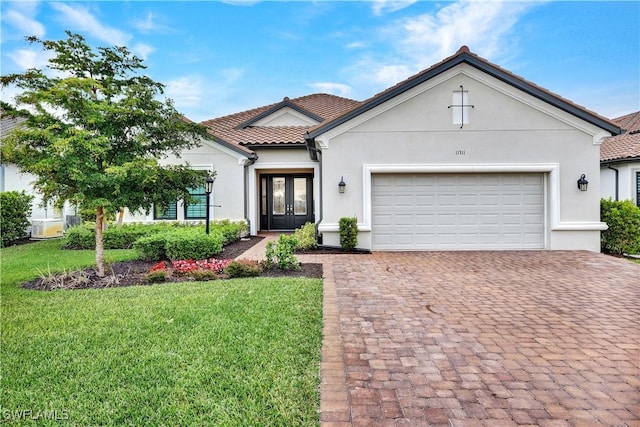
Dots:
pixel 464 155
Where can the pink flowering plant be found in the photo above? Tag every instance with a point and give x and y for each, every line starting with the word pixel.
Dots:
pixel 186 267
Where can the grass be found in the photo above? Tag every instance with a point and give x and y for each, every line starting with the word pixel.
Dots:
pixel 241 352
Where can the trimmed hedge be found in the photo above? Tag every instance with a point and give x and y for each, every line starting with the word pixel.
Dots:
pixel 623 234
pixel 193 245
pixel 15 209
pixel 180 244
pixel 125 235
pixel 348 233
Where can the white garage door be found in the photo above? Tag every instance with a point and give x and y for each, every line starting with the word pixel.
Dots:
pixel 457 211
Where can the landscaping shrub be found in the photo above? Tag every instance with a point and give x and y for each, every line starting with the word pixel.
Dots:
pixel 281 254
pixel 80 237
pixel 152 248
pixel 348 233
pixel 306 236
pixel 243 268
pixel 115 236
pixel 15 209
pixel 193 245
pixel 623 234
pixel 231 231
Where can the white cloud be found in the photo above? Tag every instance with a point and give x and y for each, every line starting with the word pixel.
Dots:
pixel 80 19
pixel 332 88
pixel 145 25
pixel 29 58
pixel 388 6
pixel 24 23
pixel 143 50
pixel 483 26
pixel 356 45
pixel 417 42
pixel 185 91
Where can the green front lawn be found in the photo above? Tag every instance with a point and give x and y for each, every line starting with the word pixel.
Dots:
pixel 229 352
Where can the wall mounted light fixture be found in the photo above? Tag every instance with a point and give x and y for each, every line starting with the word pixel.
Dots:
pixel 583 183
pixel 341 185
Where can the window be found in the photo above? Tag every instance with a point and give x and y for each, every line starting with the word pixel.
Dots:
pixel 170 213
pixel 460 108
pixel 197 209
pixel 637 188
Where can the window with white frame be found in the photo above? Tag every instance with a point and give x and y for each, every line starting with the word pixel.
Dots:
pixel 460 107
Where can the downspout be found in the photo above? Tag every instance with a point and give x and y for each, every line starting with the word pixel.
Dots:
pixel 617 180
pixel 313 155
pixel 248 162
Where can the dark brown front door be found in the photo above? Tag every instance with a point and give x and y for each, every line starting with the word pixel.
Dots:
pixel 287 201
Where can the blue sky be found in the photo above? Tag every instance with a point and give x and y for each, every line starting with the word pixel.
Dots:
pixel 218 58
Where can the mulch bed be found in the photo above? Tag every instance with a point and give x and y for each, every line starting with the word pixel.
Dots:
pixel 132 273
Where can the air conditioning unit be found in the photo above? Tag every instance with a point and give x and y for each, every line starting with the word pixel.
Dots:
pixel 47 228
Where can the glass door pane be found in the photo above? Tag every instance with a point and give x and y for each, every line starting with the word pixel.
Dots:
pixel 300 196
pixel 278 195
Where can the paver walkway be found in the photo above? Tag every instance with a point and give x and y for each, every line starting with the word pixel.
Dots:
pixel 481 339
pixel 541 338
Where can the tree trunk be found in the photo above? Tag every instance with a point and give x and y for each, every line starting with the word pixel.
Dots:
pixel 99 241
pixel 120 216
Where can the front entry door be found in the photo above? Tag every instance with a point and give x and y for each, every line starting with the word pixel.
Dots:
pixel 289 201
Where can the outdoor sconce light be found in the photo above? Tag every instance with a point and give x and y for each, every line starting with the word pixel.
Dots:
pixel 208 189
pixel 582 183
pixel 341 185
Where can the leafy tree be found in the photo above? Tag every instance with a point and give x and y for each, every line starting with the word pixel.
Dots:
pixel 96 130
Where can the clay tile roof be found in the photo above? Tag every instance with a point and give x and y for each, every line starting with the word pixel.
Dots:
pixel 8 123
pixel 626 146
pixel 236 129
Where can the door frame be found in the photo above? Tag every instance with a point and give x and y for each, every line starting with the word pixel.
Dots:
pixel 265 200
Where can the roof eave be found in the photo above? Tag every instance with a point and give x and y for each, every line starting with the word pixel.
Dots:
pixel 280 105
pixel 621 160
pixel 468 58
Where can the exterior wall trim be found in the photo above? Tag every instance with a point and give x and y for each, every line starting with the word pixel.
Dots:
pixel 552 189
pixel 253 187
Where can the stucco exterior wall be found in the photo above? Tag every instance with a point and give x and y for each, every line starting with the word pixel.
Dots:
pixel 626 181
pixel 227 199
pixel 508 130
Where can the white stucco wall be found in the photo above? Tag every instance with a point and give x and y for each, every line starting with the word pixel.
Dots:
pixel 227 199
pixel 508 131
pixel 626 181
pixel 11 179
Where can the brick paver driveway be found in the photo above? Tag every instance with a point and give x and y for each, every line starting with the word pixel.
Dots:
pixel 481 339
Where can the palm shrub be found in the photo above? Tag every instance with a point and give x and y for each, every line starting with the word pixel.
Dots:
pixel 15 209
pixel 623 234
pixel 348 227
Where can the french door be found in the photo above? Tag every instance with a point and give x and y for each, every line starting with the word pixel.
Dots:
pixel 286 201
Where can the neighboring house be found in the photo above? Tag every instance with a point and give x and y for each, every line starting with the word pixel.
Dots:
pixel 462 156
pixel 11 179
pixel 620 161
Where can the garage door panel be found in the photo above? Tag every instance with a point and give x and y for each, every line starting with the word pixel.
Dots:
pixel 458 211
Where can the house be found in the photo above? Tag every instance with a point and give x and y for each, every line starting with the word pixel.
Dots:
pixel 620 161
pixel 11 179
pixel 464 155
